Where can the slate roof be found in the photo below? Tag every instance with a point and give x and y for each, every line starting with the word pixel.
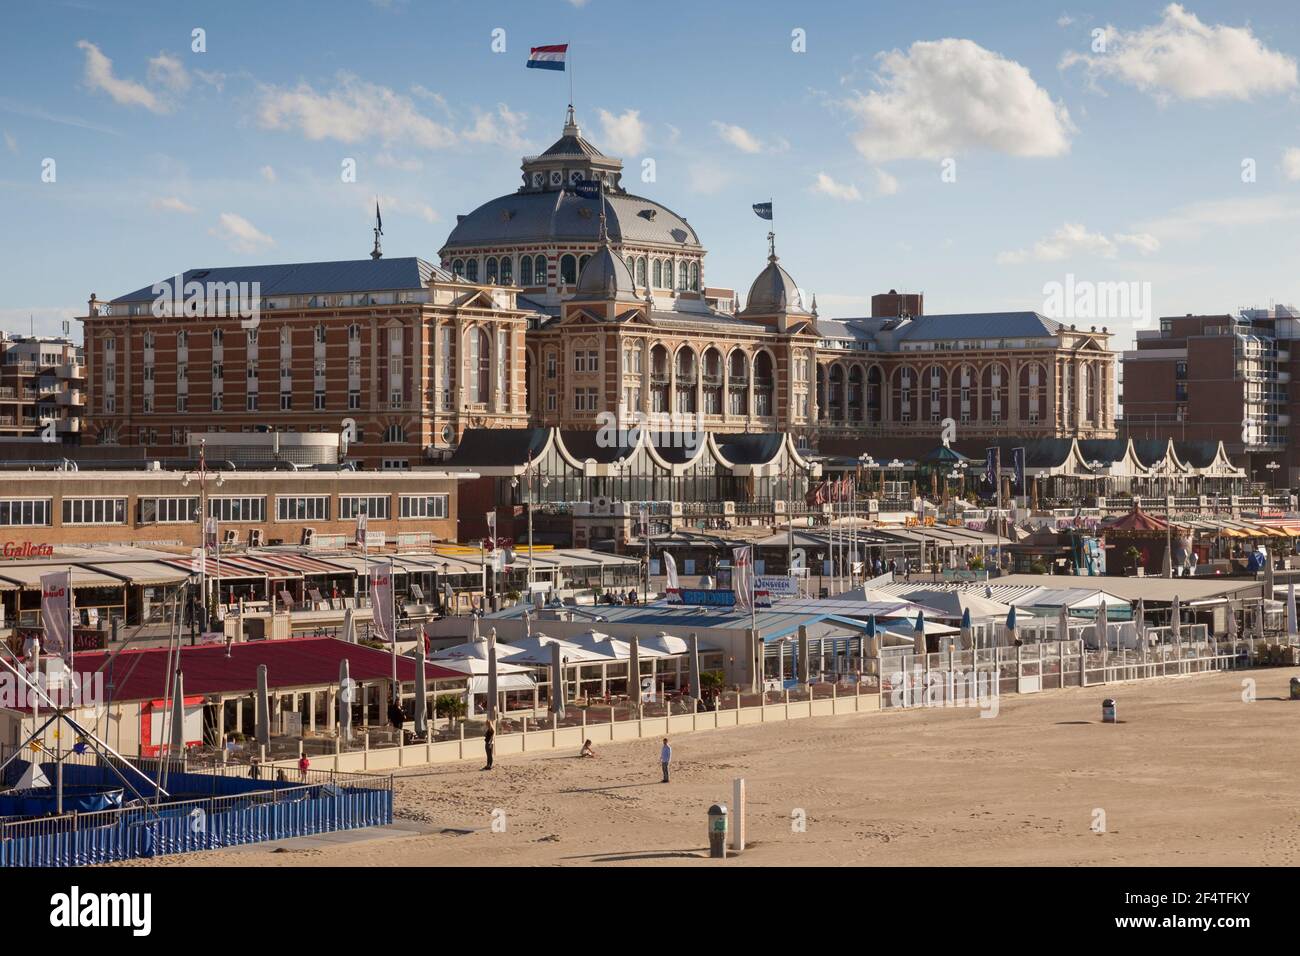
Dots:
pixel 304 278
pixel 564 215
pixel 489 447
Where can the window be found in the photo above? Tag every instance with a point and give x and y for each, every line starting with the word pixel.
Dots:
pixel 286 401
pixel 25 511
pixel 695 277
pixel 354 399
pixel 507 271
pixel 550 401
pixel 235 508
pixel 169 510
pixel 374 506
pixel 320 334
pixel 182 403
pixel 318 400
pixel 471 270
pixel 218 338
pixel 526 271
pixel 94 510
pixel 250 402
pixel 657 270
pixel 584 399
pixel 490 271
pixel 568 270
pixel 550 365
pixel 395 434
pixel 640 271
pixel 302 508
pixel 423 506
pixel 683 276
pixel 480 365
pixel 217 402
pixel 458 267
pixel 395 464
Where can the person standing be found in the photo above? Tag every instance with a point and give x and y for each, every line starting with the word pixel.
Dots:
pixel 303 765
pixel 489 743
pixel 665 758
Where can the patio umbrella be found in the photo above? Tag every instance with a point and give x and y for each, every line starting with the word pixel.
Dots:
pixel 918 635
pixel 492 672
pixel 349 627
pixel 263 708
pixel 1232 623
pixel 1140 617
pixel 421 692
pixel 1259 622
pixel 693 641
pixel 1268 576
pixel 178 715
pixel 1011 626
pixel 473 629
pixel 967 631
pixel 528 624
pixel 345 700
pixel 802 676
pixel 872 639
pixel 634 672
pixel 1290 610
pixel 1103 639
pixel 1063 623
pixel 1175 621
pixel 557 681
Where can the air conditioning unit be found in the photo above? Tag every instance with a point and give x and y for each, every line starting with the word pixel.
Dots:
pixel 728 507
pixel 255 538
pixel 230 536
pixel 778 507
pixel 308 536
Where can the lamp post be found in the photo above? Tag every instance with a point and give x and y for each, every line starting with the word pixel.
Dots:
pixel 1272 467
pixel 201 476
pixel 1097 465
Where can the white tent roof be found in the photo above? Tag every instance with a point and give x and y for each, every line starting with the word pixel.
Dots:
pixel 671 645
pixel 953 603
pixel 536 650
pixel 611 648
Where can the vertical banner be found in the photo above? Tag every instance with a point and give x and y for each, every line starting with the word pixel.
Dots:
pixel 56 595
pixel 742 576
pixel 644 516
pixel 361 530
pixel 210 543
pixel 991 468
pixel 1018 467
pixel 672 589
pixel 381 599
pixel 491 517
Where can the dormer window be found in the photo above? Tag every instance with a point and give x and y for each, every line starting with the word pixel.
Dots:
pixel 575 176
pixel 557 178
pixel 539 179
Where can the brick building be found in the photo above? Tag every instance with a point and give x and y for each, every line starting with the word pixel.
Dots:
pixel 1218 378
pixel 42 382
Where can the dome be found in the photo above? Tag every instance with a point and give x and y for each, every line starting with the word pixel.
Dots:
pixel 773 292
pixel 605 276
pixel 564 216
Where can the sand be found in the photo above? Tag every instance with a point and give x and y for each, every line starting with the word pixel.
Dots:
pixel 1193 775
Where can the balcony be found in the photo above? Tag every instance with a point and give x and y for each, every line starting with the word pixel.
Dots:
pixel 70 370
pixel 72 397
pixel 68 425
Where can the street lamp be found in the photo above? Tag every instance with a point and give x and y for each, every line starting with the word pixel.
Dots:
pixel 1097 465
pixel 1272 467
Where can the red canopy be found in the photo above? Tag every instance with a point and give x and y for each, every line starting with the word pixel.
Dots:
pixel 1137 520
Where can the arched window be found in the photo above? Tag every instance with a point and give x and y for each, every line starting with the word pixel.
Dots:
pixel 631 266
pixel 582 262
pixel 737 383
pixel 507 271
pixel 471 270
pixel 695 277
pixel 668 274
pixel 395 434
pixel 659 378
pixel 480 365
pixel 683 276
pixel 658 273
pixel 685 381
pixel 568 270
pixel 526 271
pixel 764 385
pixel 640 271
pixel 712 370
pixel 490 272
pixel 458 267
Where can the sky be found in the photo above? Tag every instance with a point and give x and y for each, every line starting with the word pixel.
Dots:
pixel 977 153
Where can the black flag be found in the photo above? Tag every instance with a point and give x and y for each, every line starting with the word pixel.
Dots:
pixel 763 210
pixel 379 222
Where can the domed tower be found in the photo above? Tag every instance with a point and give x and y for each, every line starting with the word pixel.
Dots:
pixel 540 236
pixel 605 282
pixel 774 298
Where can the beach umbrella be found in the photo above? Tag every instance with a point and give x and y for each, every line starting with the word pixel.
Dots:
pixel 873 640
pixel 492 672
pixel 1268 576
pixel 634 672
pixel 802 676
pixel 1290 610
pixel 345 700
pixel 557 680
pixel 263 708
pixel 178 714
pixel 1011 625
pixel 693 642
pixel 918 636
pixel 967 631
pixel 349 627
pixel 421 692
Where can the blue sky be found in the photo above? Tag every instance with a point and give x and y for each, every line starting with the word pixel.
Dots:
pixel 1124 164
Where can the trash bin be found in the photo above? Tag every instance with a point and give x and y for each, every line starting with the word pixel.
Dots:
pixel 1295 688
pixel 1108 711
pixel 718 831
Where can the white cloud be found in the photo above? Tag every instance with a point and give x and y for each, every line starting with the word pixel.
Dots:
pixel 1290 163
pixel 268 173
pixel 829 187
pixel 739 137
pixel 1195 220
pixel 240 234
pixel 171 204
pixel 1064 20
pixel 503 128
pixel 352 111
pixel 168 72
pixel 886 185
pixel 943 97
pixel 1073 239
pixel 1185 58
pixel 100 76
pixel 623 134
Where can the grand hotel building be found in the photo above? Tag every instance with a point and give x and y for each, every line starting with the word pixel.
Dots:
pixel 550 307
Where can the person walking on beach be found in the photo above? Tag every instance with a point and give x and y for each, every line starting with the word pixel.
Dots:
pixel 665 758
pixel 489 743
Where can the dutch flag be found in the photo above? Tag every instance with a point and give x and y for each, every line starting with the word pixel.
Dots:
pixel 547 57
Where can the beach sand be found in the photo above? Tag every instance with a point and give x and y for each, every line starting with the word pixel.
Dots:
pixel 1193 775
